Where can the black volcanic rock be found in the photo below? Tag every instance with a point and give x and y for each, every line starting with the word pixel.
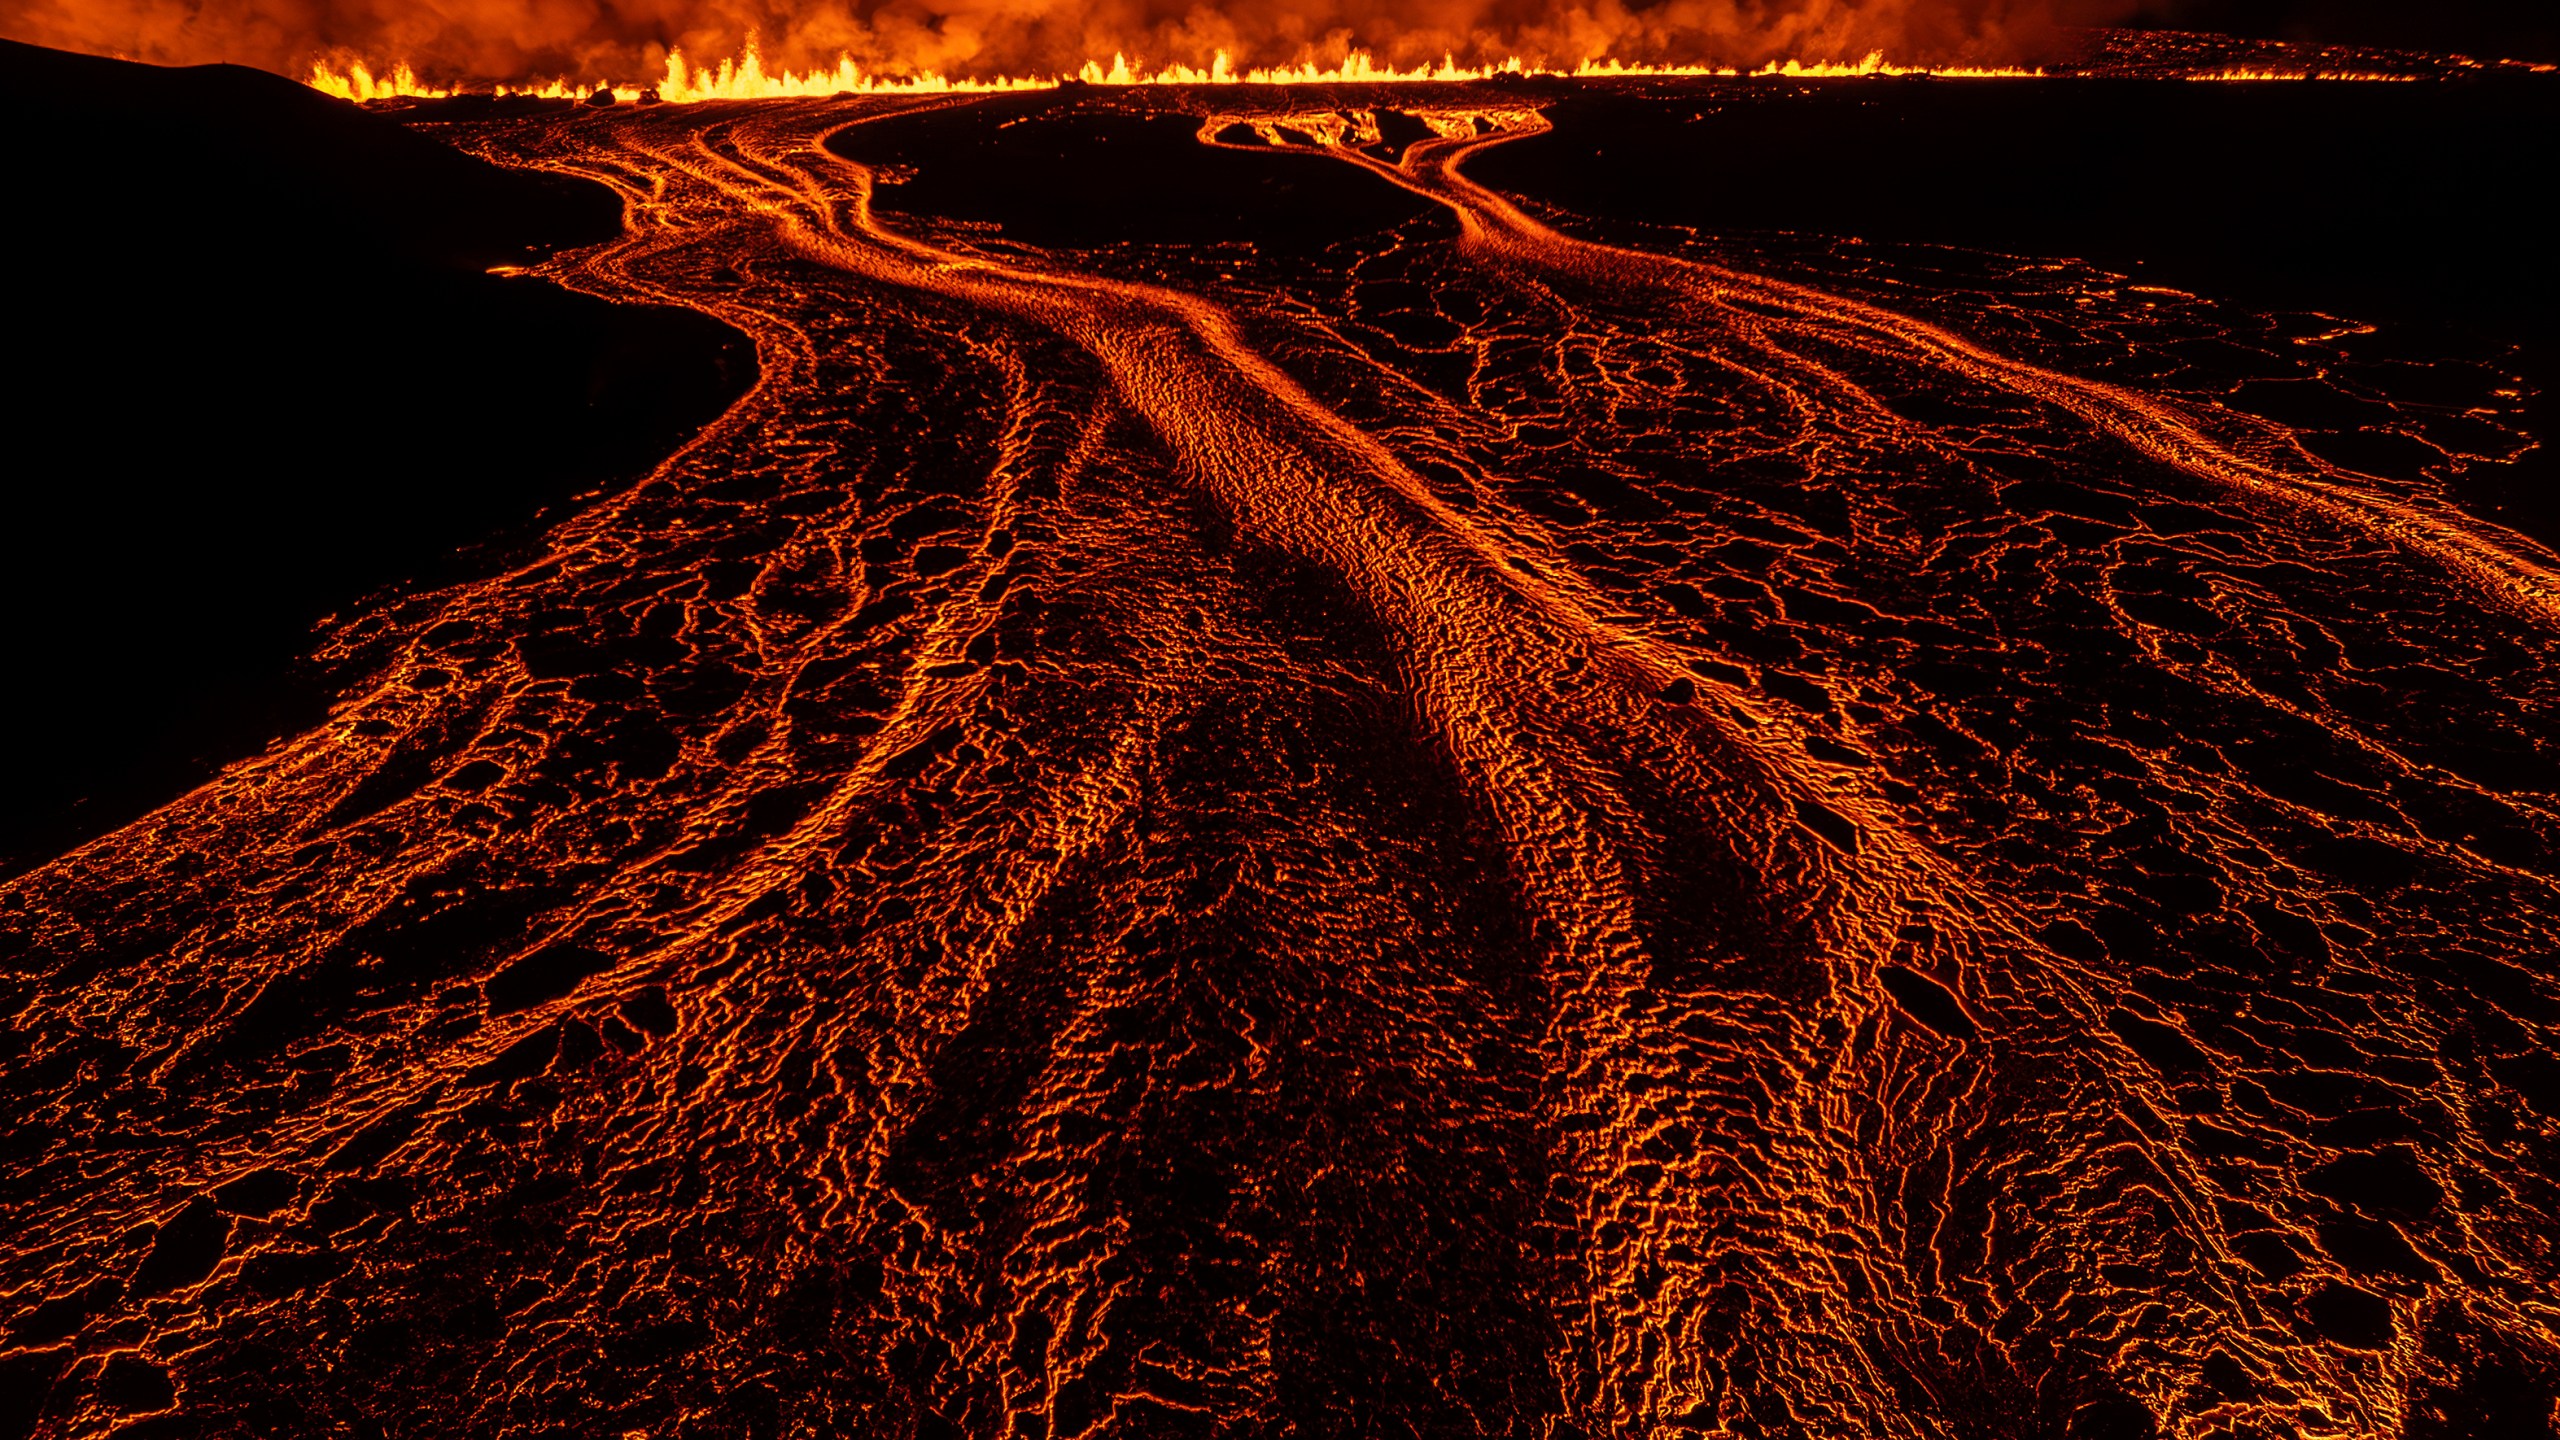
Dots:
pixel 262 372
pixel 284 170
pixel 135 1386
pixel 1072 168
pixel 185 1251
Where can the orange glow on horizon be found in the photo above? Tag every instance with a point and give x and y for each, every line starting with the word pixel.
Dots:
pixel 745 77
pixel 1138 757
pixel 357 82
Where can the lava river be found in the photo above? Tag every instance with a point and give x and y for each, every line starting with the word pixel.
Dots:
pixel 1513 825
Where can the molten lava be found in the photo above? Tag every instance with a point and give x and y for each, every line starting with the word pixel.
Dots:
pixel 1504 825
pixel 747 79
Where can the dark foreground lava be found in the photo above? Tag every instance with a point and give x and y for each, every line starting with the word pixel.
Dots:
pixel 261 373
pixel 1484 827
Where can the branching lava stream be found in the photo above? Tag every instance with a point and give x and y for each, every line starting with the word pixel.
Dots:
pixel 1497 828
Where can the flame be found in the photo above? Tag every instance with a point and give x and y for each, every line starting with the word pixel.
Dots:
pixel 2246 74
pixel 1357 68
pixel 745 77
pixel 739 78
pixel 358 83
pixel 1876 64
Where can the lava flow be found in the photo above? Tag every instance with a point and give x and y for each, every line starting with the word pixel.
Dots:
pixel 1510 824
pixel 746 78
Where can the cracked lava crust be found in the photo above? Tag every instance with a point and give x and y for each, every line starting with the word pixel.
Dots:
pixel 1485 822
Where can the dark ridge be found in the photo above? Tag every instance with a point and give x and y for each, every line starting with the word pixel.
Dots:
pixel 262 372
pixel 319 173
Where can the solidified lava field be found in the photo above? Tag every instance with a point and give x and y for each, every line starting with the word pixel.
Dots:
pixel 1353 805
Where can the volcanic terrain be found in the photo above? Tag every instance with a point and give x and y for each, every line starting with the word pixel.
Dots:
pixel 1386 761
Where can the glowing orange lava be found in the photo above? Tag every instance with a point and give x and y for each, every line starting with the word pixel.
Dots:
pixel 745 77
pixel 1493 822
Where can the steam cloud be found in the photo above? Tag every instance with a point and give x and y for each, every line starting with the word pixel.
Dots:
pixel 629 39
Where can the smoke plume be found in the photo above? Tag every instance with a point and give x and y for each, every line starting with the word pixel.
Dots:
pixel 514 40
